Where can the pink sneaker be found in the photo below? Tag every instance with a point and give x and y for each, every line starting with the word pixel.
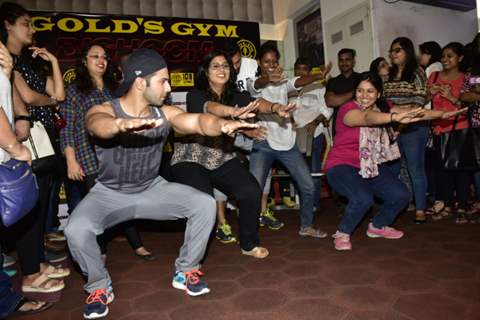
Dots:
pixel 385 232
pixel 342 241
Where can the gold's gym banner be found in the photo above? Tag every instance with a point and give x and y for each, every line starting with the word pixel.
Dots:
pixel 181 41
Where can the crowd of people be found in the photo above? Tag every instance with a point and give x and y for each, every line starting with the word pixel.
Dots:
pixel 389 127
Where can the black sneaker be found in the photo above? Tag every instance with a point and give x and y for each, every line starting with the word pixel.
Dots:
pixel 268 219
pixel 224 234
pixel 97 303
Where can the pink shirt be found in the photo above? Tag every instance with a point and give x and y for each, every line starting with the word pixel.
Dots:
pixel 346 140
pixel 441 103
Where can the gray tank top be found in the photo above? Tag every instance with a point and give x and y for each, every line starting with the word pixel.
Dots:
pixel 130 162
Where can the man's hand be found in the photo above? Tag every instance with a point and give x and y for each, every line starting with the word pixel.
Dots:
pixel 229 127
pixel 246 112
pixel 137 125
pixel 259 133
pixel 284 111
pixel 275 75
pixel 327 70
pixel 22 130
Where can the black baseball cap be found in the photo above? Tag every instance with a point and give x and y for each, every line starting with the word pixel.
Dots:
pixel 140 63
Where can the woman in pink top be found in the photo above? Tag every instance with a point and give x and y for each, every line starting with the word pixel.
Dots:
pixel 445 89
pixel 355 166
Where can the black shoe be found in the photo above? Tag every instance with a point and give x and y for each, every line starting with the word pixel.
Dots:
pixel 147 257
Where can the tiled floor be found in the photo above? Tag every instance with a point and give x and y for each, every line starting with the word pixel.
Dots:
pixel 432 273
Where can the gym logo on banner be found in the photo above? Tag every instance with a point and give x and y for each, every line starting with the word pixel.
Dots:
pixel 181 41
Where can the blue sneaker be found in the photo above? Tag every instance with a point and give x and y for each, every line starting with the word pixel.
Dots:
pixel 190 282
pixel 97 303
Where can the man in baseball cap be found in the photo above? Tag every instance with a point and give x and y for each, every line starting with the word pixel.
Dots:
pixel 131 132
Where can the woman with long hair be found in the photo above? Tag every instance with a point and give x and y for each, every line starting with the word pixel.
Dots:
pixel 445 89
pixel 206 163
pixel 356 165
pixel 406 88
pixel 41 91
pixel 94 84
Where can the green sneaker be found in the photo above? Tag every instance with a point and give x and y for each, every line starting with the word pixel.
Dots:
pixel 224 234
pixel 268 219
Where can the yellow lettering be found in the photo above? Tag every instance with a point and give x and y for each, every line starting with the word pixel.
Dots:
pixel 226 31
pixel 92 26
pixel 153 27
pixel 119 24
pixel 203 28
pixel 63 24
pixel 44 23
pixel 182 29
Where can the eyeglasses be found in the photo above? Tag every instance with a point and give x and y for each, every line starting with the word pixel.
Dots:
pixel 96 57
pixel 395 50
pixel 216 67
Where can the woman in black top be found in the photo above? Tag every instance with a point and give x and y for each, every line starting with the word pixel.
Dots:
pixel 206 163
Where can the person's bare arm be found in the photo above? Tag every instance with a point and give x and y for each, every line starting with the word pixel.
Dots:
pixel 470 97
pixel 30 96
pixel 202 123
pixel 369 118
pixel 9 142
pixel 22 126
pixel 336 100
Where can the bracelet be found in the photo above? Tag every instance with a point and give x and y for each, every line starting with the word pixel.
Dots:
pixel 26 118
pixel 391 116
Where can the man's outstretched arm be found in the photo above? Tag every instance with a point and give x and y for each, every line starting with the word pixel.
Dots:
pixel 102 123
pixel 202 123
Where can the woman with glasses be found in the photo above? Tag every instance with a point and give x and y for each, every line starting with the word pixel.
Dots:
pixel 406 88
pixel 94 84
pixel 38 80
pixel 210 162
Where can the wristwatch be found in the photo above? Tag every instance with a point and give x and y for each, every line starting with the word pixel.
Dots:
pixel 26 118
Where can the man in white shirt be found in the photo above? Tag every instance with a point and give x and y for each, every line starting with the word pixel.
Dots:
pixel 313 114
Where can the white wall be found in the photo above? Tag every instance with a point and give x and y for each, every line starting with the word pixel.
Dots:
pixel 421 23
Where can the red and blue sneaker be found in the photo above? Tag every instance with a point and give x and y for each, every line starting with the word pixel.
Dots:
pixel 97 303
pixel 190 282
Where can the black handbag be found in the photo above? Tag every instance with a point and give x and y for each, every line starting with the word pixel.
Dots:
pixel 460 149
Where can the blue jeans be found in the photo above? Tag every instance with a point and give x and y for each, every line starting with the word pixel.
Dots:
pixel 9 299
pixel 360 193
pixel 317 157
pixel 412 143
pixel 261 160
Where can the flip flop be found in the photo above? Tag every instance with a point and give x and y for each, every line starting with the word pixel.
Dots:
pixel 257 252
pixel 43 306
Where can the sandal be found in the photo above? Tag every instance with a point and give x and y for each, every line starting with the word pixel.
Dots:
pixel 439 211
pixel 257 252
pixel 420 217
pixel 56 272
pixel 461 218
pixel 41 285
pixel 26 306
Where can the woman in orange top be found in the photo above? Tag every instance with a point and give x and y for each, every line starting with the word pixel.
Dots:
pixel 444 88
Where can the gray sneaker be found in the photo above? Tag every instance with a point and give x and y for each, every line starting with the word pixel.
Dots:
pixel 312 232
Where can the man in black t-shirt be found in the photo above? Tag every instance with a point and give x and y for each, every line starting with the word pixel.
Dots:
pixel 340 89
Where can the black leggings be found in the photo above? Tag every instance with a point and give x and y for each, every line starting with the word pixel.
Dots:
pixel 233 179
pixel 451 184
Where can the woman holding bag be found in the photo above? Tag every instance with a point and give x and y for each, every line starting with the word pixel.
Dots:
pixel 445 87
pixel 10 148
pixel 39 92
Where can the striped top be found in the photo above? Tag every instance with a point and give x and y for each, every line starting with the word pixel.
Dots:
pixel 403 93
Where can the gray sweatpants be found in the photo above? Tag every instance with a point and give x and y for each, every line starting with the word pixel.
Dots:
pixel 103 208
